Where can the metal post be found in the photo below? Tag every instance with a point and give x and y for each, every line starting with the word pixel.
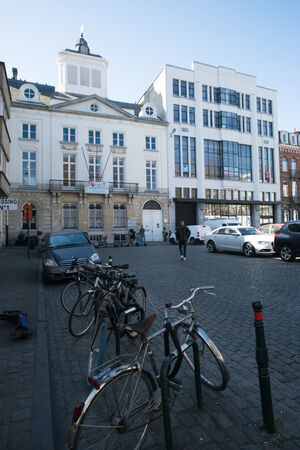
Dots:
pixel 197 374
pixel 164 385
pixel 263 372
pixel 28 239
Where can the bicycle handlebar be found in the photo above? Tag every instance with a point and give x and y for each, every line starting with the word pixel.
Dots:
pixel 205 289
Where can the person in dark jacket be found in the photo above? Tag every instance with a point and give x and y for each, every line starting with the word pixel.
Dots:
pixel 182 236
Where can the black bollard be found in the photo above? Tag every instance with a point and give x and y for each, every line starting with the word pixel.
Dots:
pixel 263 371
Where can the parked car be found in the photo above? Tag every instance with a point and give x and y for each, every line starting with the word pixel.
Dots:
pixel 248 240
pixel 222 222
pixel 287 241
pixel 59 249
pixel 197 235
pixel 270 228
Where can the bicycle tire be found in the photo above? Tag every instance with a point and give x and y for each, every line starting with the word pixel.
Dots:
pixel 213 370
pixel 97 348
pixel 137 295
pixel 71 292
pixel 101 425
pixel 82 315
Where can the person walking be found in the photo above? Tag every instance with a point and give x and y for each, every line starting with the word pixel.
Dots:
pixel 182 236
pixel 132 236
pixel 141 239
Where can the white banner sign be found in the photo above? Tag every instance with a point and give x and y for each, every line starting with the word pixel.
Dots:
pixel 96 187
pixel 8 204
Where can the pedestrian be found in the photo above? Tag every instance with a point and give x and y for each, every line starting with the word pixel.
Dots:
pixel 141 238
pixel 165 234
pixel 182 236
pixel 132 236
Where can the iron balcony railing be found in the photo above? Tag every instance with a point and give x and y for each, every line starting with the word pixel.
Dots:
pixel 295 199
pixel 295 173
pixel 78 186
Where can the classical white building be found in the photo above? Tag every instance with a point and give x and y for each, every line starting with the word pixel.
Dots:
pixel 82 160
pixel 222 144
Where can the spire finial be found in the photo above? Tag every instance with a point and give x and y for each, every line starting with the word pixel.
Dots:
pixel 81 31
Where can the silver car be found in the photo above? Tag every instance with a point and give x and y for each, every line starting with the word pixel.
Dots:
pixel 247 240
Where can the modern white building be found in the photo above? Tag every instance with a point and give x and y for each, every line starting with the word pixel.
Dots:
pixel 82 160
pixel 222 144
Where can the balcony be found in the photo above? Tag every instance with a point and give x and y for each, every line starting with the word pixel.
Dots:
pixel 4 185
pixel 78 186
pixel 294 173
pixel 123 188
pixel 295 199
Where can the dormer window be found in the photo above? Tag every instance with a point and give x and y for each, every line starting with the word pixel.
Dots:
pixel 149 110
pixel 94 107
pixel 29 93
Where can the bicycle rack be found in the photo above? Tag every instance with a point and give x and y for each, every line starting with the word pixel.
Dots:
pixel 164 385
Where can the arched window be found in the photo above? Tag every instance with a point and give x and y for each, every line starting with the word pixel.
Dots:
pixel 151 204
pixel 286 215
pixel 32 224
pixel 295 214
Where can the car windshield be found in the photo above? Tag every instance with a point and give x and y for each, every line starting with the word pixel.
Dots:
pixel 248 231
pixel 61 240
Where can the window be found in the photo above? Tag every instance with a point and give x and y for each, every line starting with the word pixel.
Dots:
pixel 284 165
pixel 32 224
pixel 177 192
pixel 94 168
pixel 205 117
pixel 228 120
pixel 29 93
pixel 176 116
pixel 94 137
pixel 270 107
pixel 248 124
pixel 266 165
pixel 149 110
pixel 293 165
pixel 28 131
pixel 177 158
pixel 258 104
pixel 175 87
pixel 118 139
pixel 265 128
pixel 29 168
pixel 192 115
pixel 247 100
pixel 204 93
pixel 183 88
pixel 286 215
pixel 69 134
pixel 191 90
pixel 294 188
pixel 69 215
pixel 226 96
pixel 259 127
pixel 96 78
pixel 207 194
pixel 118 173
pixel 151 179
pixel 120 216
pixel 264 105
pixel 95 215
pixel 186 193
pixel 94 107
pixel 69 170
pixel 184 114
pixel 293 140
pixel 193 192
pixel 284 138
pixel 185 156
pixel 271 129
pixel 285 189
pixel 193 156
pixel 150 143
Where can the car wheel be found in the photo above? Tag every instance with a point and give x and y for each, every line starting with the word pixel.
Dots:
pixel 286 253
pixel 172 240
pixel 211 247
pixel 248 249
pixel 192 241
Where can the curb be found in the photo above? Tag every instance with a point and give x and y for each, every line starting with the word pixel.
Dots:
pixel 42 424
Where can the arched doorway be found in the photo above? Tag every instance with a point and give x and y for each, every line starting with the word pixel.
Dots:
pixel 152 220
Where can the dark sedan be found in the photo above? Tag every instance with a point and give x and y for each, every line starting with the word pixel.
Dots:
pixel 287 241
pixel 59 250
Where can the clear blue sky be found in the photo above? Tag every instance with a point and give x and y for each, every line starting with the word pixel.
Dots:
pixel 137 37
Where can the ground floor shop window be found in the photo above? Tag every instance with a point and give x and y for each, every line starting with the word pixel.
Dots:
pixel 32 224
pixel 226 210
pixel 95 215
pixel 266 214
pixel 120 216
pixel 295 214
pixel 69 215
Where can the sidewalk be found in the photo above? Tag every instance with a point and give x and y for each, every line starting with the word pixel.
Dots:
pixel 24 396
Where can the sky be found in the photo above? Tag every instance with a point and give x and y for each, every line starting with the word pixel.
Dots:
pixel 138 37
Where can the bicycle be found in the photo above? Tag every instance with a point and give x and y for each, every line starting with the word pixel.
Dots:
pixel 127 397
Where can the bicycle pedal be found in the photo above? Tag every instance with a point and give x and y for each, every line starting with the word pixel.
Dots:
pixel 176 384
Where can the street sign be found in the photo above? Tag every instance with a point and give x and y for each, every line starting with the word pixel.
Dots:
pixel 8 204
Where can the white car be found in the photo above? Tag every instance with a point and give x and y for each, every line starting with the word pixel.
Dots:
pixel 248 240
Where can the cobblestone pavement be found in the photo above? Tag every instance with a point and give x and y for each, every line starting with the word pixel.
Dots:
pixel 230 419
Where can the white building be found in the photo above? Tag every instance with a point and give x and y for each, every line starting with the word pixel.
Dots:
pixel 222 144
pixel 63 140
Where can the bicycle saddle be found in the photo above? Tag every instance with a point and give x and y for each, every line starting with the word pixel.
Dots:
pixel 143 326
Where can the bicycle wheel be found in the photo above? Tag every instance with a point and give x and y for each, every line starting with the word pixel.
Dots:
pixel 99 340
pixel 71 292
pixel 213 370
pixel 119 414
pixel 82 315
pixel 137 295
